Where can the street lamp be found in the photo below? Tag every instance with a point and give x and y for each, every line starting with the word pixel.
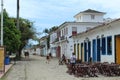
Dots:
pixel 1 22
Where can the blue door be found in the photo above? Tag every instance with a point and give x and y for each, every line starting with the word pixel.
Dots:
pixel 98 50
pixel 89 50
pixel 103 46
pixel 85 51
pixel 94 55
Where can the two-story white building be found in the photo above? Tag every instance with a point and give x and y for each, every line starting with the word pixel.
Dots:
pixel 84 20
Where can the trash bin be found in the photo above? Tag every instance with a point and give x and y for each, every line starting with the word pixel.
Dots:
pixel 7 60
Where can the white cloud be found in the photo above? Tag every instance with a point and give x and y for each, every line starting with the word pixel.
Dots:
pixel 50 13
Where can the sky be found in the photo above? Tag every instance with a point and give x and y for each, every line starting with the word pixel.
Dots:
pixel 49 13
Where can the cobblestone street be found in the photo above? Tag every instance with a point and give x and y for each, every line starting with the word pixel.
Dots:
pixel 37 69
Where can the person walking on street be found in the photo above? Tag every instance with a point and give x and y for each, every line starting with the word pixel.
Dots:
pixel 63 59
pixel 26 54
pixel 47 59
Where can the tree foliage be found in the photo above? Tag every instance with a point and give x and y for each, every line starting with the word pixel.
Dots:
pixel 47 31
pixel 50 30
pixel 27 32
pixel 11 34
pixel 15 40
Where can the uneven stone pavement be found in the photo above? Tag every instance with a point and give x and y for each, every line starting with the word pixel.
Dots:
pixel 37 69
pixel 16 72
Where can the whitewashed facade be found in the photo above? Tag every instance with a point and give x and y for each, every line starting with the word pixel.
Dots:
pixel 43 46
pixel 84 21
pixel 53 37
pixel 35 51
pixel 102 43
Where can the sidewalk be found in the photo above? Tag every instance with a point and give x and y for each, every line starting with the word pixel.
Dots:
pixel 7 67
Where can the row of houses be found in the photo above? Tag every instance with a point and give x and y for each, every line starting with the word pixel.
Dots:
pixel 89 36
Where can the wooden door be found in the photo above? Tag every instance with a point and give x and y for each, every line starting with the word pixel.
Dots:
pixel 118 49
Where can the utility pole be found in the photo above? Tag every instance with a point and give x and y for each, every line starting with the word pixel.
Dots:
pixel 18 7
pixel 1 22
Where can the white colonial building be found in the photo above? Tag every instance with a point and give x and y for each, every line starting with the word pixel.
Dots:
pixel 84 20
pixel 101 43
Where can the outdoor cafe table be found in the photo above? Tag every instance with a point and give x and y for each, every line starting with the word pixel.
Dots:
pixel 110 69
pixel 82 70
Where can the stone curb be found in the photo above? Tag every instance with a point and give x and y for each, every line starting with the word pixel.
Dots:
pixel 7 68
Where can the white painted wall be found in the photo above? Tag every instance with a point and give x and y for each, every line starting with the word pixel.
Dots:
pixel 38 51
pixel 80 28
pixel 43 51
pixel 108 30
pixel 53 36
pixel 82 25
pixel 86 17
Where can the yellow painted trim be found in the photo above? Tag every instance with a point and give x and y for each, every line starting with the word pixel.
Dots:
pixel 117 50
pixel 82 53
pixel 75 49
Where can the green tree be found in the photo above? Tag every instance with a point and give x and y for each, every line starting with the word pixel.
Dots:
pixel 54 28
pixel 47 31
pixel 27 32
pixel 11 34
pixel 50 30
pixel 15 40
